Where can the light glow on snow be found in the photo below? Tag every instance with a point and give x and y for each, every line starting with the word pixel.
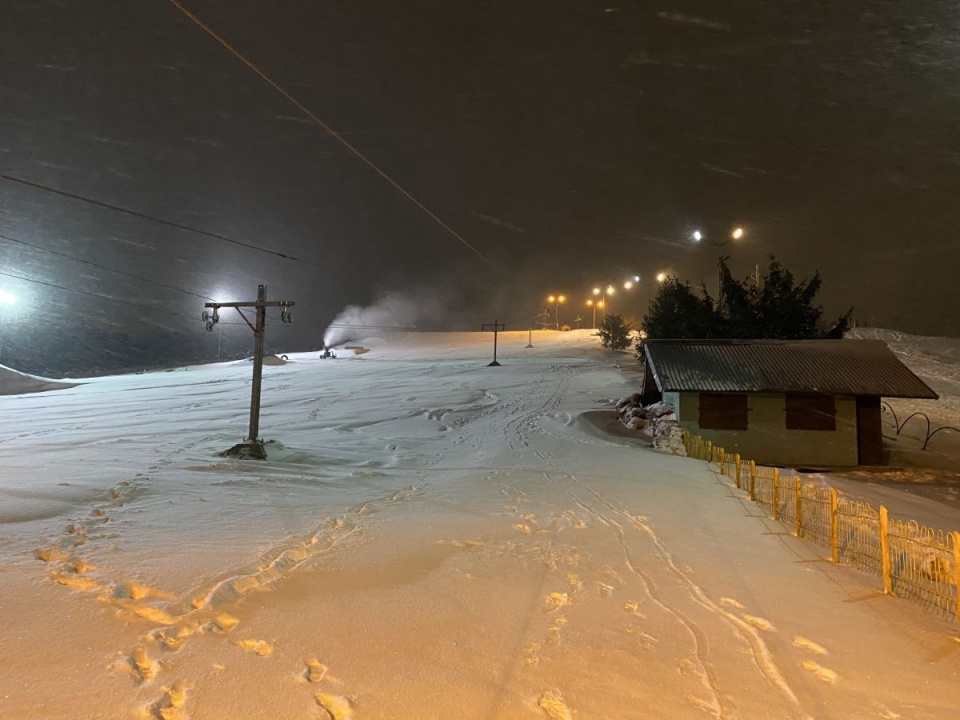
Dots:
pixel 428 537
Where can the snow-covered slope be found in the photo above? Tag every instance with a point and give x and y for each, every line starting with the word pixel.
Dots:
pixel 429 537
pixel 13 382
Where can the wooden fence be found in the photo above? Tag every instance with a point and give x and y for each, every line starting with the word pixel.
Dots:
pixel 913 561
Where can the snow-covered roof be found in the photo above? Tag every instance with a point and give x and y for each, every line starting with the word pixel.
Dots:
pixel 836 367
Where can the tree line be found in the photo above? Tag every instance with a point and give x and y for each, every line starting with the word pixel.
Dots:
pixel 774 305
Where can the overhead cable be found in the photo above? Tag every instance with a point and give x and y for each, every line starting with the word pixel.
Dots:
pixel 329 130
pixel 103 267
pixel 144 216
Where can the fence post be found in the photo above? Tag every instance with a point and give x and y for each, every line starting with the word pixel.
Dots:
pixel 799 498
pixel 736 480
pixel 834 525
pixel 955 537
pixel 776 494
pixel 887 566
pixel 709 457
pixel 753 481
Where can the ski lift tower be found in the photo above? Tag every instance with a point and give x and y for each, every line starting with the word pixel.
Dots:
pixel 251 447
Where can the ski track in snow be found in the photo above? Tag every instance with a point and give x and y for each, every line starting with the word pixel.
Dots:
pixel 204 611
pixel 406 447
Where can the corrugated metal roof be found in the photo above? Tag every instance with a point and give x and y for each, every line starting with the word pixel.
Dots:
pixel 836 367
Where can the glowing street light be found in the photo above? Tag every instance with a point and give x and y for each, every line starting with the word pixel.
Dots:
pixel 594 304
pixel 736 233
pixel 557 301
pixel 661 278
pixel 611 289
pixel 5 300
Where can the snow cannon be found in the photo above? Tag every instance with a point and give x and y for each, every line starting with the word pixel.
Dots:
pixel 327 354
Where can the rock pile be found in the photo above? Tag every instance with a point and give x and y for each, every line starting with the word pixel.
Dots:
pixel 656 422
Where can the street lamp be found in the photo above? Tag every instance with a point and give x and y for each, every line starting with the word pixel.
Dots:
pixel 557 301
pixel 594 304
pixel 661 278
pixel 5 300
pixel 611 291
pixel 736 233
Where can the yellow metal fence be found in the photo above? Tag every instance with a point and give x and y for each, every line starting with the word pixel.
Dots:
pixel 913 561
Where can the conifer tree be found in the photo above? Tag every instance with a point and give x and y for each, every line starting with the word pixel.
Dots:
pixel 774 306
pixel 614 332
pixel 678 312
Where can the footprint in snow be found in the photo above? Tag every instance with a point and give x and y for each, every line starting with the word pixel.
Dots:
pixel 758 622
pixel 825 674
pixel 809 645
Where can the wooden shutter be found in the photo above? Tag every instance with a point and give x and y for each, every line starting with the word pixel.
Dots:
pixel 723 411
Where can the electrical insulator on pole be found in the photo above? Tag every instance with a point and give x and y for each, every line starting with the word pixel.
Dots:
pixel 252 446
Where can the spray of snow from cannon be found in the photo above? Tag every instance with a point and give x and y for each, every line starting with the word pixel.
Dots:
pixel 393 312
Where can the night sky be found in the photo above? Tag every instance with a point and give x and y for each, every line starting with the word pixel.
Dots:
pixel 562 144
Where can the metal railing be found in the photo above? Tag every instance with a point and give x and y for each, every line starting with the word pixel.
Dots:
pixel 913 561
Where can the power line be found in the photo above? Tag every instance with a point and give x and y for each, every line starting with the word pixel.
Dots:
pixel 334 134
pixel 103 267
pixel 144 216
pixel 113 299
pixel 91 294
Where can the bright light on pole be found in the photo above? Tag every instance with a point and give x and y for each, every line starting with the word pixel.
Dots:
pixel 5 299
pixel 557 301
pixel 736 233
pixel 594 304
pixel 660 278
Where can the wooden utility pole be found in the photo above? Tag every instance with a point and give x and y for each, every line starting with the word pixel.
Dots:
pixel 496 327
pixel 260 305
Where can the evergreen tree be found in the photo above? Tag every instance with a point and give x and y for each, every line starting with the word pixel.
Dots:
pixel 840 327
pixel 678 312
pixel 614 332
pixel 774 306
pixel 785 308
pixel 738 313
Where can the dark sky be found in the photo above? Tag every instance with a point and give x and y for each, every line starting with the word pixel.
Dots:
pixel 565 143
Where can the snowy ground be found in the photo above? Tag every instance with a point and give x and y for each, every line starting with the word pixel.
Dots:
pixel 931 473
pixel 428 538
